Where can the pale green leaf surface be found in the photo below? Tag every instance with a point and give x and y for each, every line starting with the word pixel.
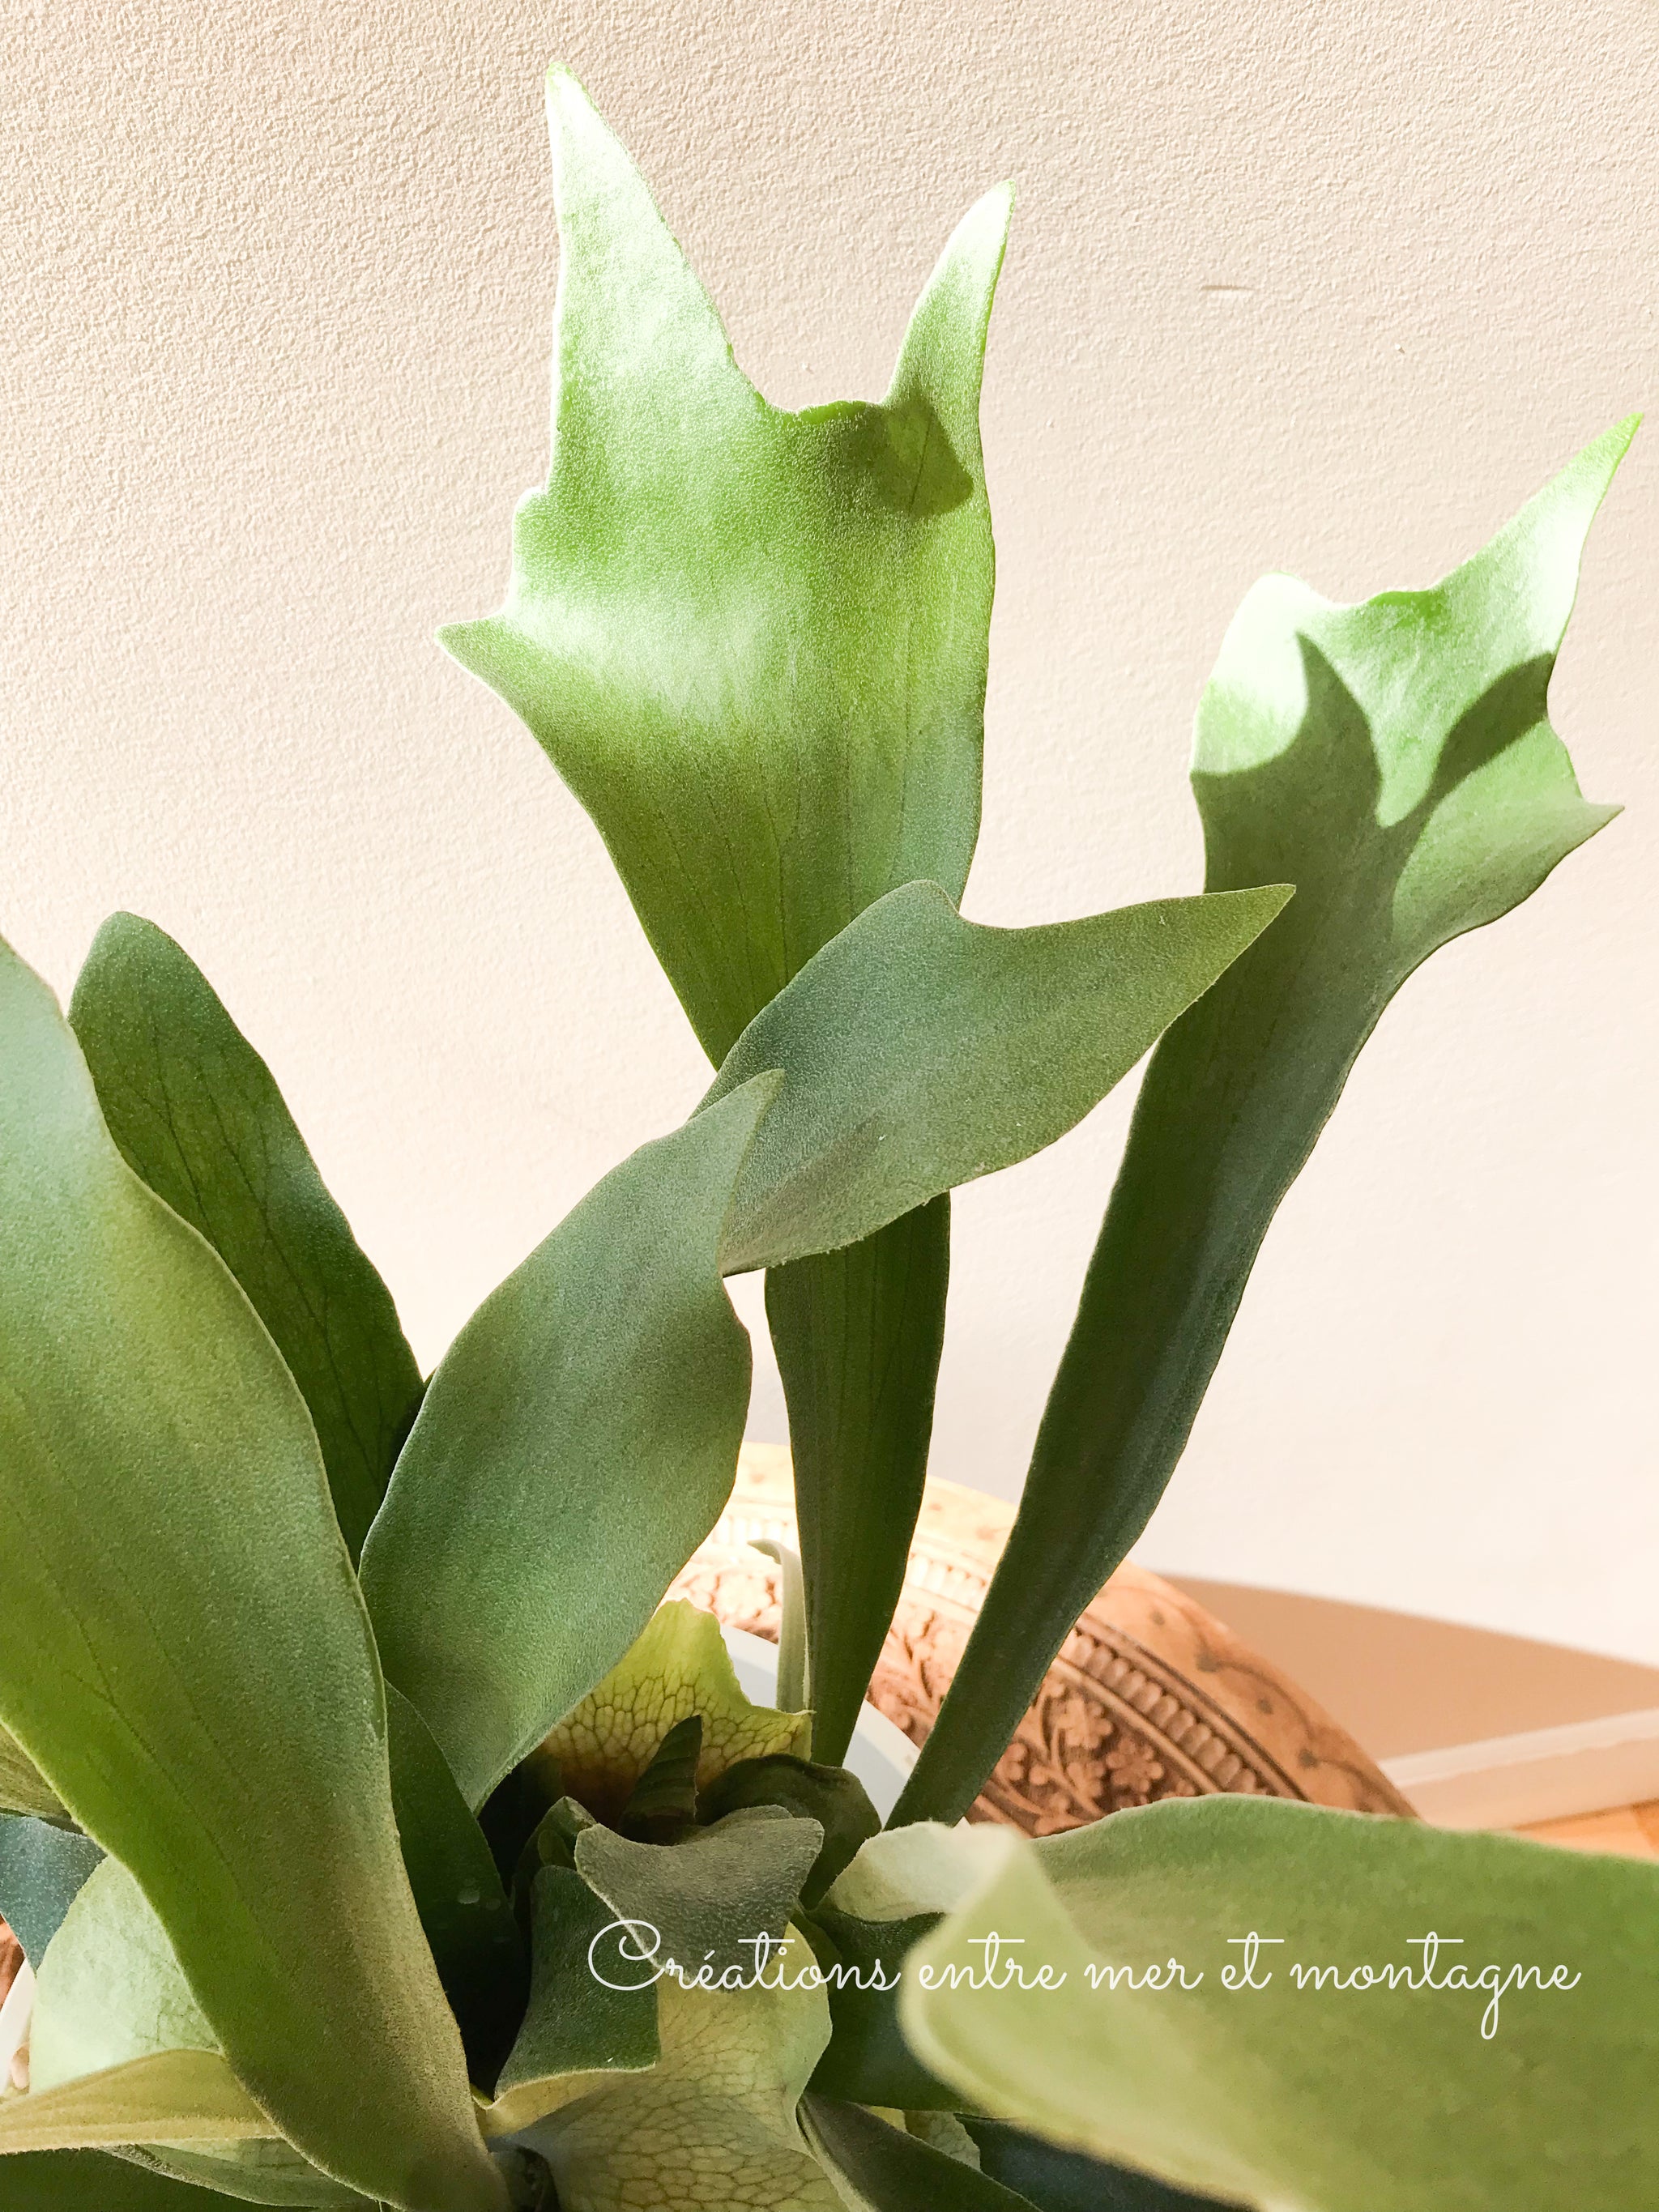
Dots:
pixel 706 1904
pixel 712 2127
pixel 792 1692
pixel 753 643
pixel 110 1990
pixel 574 1448
pixel 944 2132
pixel 920 1051
pixel 923 1868
pixel 196 1114
pixel 1393 761
pixel 109 1987
pixel 678 1665
pixel 42 1868
pixel 1317 2099
pixel 173 2096
pixel 168 1525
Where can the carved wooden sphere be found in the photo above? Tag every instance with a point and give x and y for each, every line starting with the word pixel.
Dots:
pixel 1150 1697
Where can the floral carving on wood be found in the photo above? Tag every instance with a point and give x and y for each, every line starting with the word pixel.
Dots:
pixel 1150 1697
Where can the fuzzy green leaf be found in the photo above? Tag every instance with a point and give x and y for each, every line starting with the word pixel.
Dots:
pixel 577 2028
pixel 753 643
pixel 177 2097
pixel 837 1800
pixel 42 1868
pixel 920 1051
pixel 711 1901
pixel 1395 761
pixel 574 1448
pixel 168 1526
pixel 196 1115
pixel 1321 2097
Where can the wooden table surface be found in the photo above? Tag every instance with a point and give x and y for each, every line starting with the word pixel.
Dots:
pixel 1631 1830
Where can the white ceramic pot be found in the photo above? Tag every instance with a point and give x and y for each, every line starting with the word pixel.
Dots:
pixel 880 1754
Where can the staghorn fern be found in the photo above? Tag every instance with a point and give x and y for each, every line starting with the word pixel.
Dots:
pixel 346 1746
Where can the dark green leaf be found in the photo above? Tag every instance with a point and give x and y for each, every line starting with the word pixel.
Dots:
pixel 1057 2180
pixel 1393 761
pixel 477 1945
pixel 868 2061
pixel 510 1814
pixel 94 2181
pixel 893 2171
pixel 837 1800
pixel 271 2173
pixel 663 1803
pixel 858 1334
pixel 576 2024
pixel 186 1658
pixel 920 1051
pixel 708 1900
pixel 196 1115
pixel 552 1843
pixel 529 2179
pixel 41 1870
pixel 573 1450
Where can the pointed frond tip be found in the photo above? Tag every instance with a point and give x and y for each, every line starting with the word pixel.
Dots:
pixel 1542 545
pixel 618 252
pixel 705 582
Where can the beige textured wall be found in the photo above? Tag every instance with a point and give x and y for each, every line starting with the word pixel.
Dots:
pixel 1295 284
